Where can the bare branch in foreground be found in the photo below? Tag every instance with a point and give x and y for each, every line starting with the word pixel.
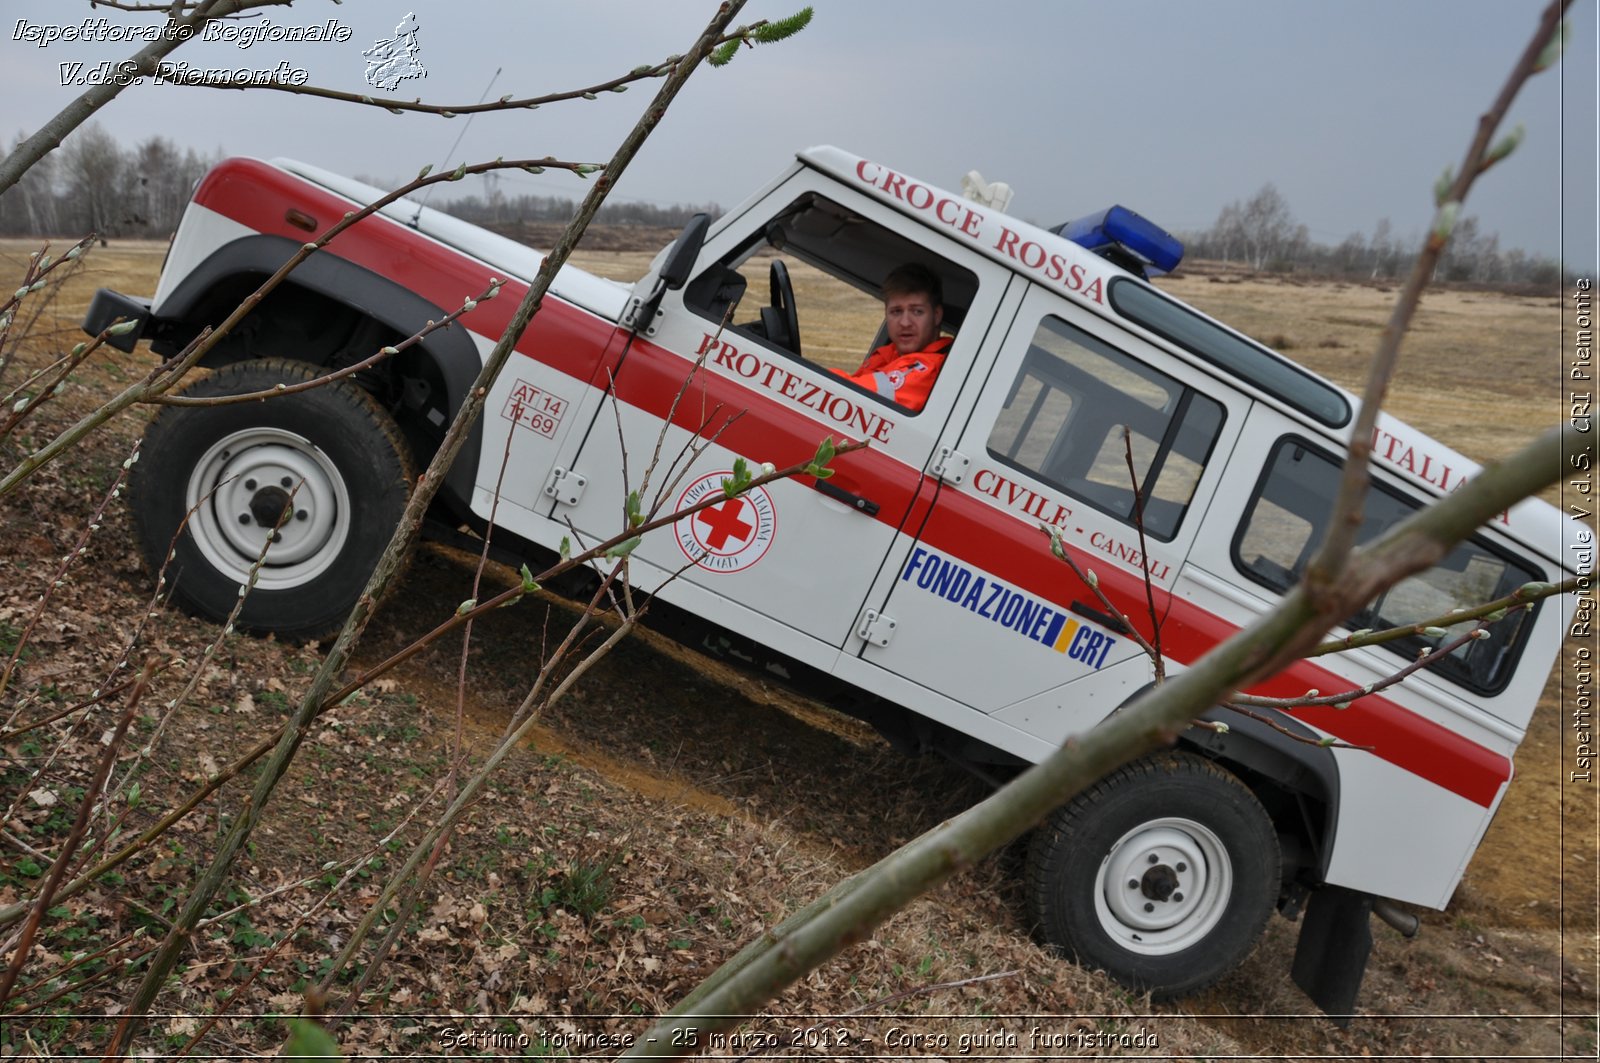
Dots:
pixel 244 822
pixel 144 62
pixel 1324 570
pixel 853 909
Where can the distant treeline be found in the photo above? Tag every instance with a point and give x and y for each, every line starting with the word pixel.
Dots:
pixel 507 213
pixel 1261 234
pixel 93 184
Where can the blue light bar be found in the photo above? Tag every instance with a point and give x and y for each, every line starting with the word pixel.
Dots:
pixel 1119 229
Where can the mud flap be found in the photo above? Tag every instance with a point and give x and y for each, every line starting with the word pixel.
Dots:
pixel 1331 958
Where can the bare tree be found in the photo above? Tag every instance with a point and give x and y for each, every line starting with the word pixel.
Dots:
pixel 1351 255
pixel 92 172
pixel 184 20
pixel 1266 226
pixel 30 206
pixel 159 179
pixel 1383 249
pixel 1228 232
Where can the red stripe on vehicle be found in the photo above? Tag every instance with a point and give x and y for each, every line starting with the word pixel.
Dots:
pixel 566 336
pixel 965 527
pixel 572 340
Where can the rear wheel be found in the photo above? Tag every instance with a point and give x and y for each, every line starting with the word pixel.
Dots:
pixel 322 474
pixel 1163 874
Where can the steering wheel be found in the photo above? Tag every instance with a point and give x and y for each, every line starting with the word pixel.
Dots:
pixel 780 321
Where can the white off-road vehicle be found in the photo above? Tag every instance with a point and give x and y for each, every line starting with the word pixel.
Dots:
pixel 914 587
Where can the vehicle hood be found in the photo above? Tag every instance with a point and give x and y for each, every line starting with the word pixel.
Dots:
pixel 512 259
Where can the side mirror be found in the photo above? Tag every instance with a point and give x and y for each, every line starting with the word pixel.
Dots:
pixel 675 272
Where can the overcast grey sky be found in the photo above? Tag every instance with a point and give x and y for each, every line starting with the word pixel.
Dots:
pixel 1174 109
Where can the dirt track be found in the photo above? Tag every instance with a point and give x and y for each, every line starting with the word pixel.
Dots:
pixel 656 734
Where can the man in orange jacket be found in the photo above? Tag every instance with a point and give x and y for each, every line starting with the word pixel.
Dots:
pixel 904 369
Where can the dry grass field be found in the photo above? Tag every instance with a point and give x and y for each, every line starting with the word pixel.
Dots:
pixel 672 808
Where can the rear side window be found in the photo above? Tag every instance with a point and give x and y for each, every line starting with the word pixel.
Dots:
pixel 1228 350
pixel 1063 419
pixel 1283 528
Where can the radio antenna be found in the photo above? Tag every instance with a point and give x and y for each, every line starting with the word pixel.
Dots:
pixel 451 153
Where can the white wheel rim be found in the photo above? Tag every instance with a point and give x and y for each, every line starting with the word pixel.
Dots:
pixel 1163 886
pixel 238 487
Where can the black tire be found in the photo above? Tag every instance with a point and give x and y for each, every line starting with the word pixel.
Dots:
pixel 224 474
pixel 1107 875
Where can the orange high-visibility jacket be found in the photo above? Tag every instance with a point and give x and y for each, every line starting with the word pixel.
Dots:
pixel 903 379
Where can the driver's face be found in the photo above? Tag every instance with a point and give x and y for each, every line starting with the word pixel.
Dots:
pixel 912 321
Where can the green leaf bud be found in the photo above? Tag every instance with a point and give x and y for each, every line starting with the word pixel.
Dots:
pixel 1506 145
pixel 623 549
pixel 1441 187
pixel 1057 547
pixel 1553 49
pixel 779 29
pixel 1444 222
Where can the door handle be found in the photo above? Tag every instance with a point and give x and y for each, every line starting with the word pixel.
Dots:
pixel 854 501
pixel 1103 619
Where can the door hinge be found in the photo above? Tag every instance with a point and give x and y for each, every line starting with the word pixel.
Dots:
pixel 638 309
pixel 950 465
pixel 876 628
pixel 565 486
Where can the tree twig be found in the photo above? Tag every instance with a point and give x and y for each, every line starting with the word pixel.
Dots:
pixel 1323 573
pixel 388 566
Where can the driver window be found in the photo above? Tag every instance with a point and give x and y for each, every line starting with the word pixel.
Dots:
pixel 808 284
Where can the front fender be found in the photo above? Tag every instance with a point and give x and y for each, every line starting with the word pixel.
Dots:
pixel 372 295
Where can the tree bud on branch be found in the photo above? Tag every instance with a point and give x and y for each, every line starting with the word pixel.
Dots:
pixel 1444 222
pixel 1441 187
pixel 1552 51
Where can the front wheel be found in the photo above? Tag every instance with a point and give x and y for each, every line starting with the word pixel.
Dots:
pixel 1163 874
pixel 316 480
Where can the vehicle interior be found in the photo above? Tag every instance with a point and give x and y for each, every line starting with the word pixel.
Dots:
pixel 818 268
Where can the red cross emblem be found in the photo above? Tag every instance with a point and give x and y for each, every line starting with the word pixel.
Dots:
pixel 729 535
pixel 724 522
